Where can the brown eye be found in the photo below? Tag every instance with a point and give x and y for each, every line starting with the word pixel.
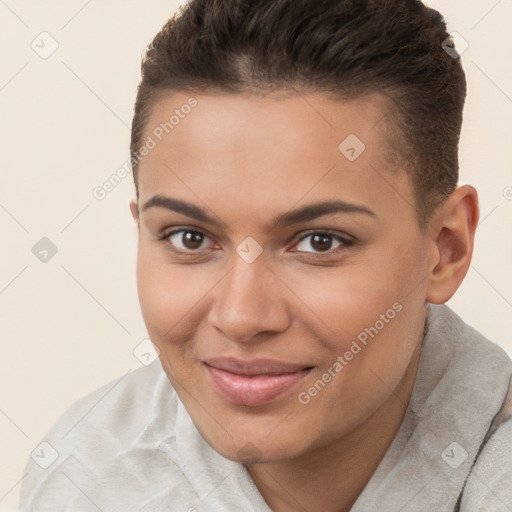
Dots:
pixel 192 239
pixel 187 239
pixel 322 242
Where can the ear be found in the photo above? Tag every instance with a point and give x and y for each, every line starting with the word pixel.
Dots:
pixel 134 208
pixel 453 233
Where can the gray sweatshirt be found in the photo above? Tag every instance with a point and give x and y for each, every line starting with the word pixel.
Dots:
pixel 131 445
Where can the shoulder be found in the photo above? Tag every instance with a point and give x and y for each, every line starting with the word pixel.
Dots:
pixel 461 336
pixel 456 342
pixel 489 485
pixel 101 435
pixel 121 406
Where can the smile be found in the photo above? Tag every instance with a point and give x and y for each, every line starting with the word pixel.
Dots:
pixel 253 383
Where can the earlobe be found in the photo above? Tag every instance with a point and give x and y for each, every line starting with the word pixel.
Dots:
pixel 454 240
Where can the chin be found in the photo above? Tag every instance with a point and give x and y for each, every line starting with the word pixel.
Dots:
pixel 255 450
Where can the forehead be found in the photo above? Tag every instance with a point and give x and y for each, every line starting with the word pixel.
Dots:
pixel 286 118
pixel 278 149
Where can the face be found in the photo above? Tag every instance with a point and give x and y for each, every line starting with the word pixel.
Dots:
pixel 281 268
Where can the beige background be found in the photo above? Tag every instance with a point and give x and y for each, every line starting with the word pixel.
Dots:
pixel 71 324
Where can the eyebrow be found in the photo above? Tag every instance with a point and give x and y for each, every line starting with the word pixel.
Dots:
pixel 303 214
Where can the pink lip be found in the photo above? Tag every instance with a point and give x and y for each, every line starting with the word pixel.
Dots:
pixel 253 382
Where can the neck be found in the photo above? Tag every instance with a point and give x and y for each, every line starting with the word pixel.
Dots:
pixel 332 478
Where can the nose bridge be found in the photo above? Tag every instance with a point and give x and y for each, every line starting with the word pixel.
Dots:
pixel 247 303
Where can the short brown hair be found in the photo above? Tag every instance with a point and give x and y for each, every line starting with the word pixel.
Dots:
pixel 346 47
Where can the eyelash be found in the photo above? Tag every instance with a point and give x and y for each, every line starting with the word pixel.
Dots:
pixel 345 241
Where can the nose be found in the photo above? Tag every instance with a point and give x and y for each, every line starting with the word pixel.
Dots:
pixel 250 302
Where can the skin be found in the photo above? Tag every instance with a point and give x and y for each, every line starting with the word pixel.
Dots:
pixel 246 159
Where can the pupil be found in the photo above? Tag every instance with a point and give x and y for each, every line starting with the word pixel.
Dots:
pixel 192 239
pixel 321 242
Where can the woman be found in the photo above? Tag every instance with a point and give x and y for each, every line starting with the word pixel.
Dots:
pixel 300 229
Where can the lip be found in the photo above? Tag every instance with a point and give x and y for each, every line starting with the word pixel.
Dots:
pixel 253 382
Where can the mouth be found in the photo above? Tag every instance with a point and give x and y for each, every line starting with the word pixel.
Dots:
pixel 255 382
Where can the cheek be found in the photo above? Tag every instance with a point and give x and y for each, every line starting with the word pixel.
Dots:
pixel 364 366
pixel 371 315
pixel 343 301
pixel 170 295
